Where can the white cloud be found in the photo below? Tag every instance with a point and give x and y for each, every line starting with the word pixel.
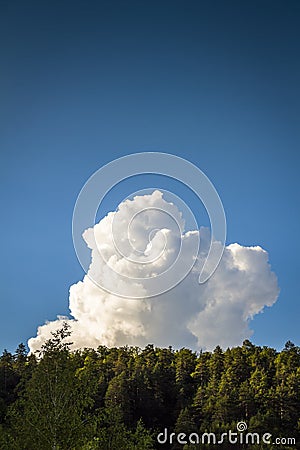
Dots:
pixel 149 234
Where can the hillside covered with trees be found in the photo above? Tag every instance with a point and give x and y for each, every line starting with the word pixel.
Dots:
pixel 122 398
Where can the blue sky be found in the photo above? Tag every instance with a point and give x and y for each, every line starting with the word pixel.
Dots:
pixel 84 83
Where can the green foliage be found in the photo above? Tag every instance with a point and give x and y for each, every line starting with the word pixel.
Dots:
pixel 50 411
pixel 121 398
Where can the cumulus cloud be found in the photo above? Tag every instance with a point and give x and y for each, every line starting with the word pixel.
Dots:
pixel 143 246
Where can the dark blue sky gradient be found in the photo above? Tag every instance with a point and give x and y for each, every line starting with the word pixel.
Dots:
pixel 83 83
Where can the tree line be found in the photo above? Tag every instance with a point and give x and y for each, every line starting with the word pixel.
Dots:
pixel 122 398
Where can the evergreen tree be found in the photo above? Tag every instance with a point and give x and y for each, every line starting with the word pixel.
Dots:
pixel 121 398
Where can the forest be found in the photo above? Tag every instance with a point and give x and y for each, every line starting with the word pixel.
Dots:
pixel 122 398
